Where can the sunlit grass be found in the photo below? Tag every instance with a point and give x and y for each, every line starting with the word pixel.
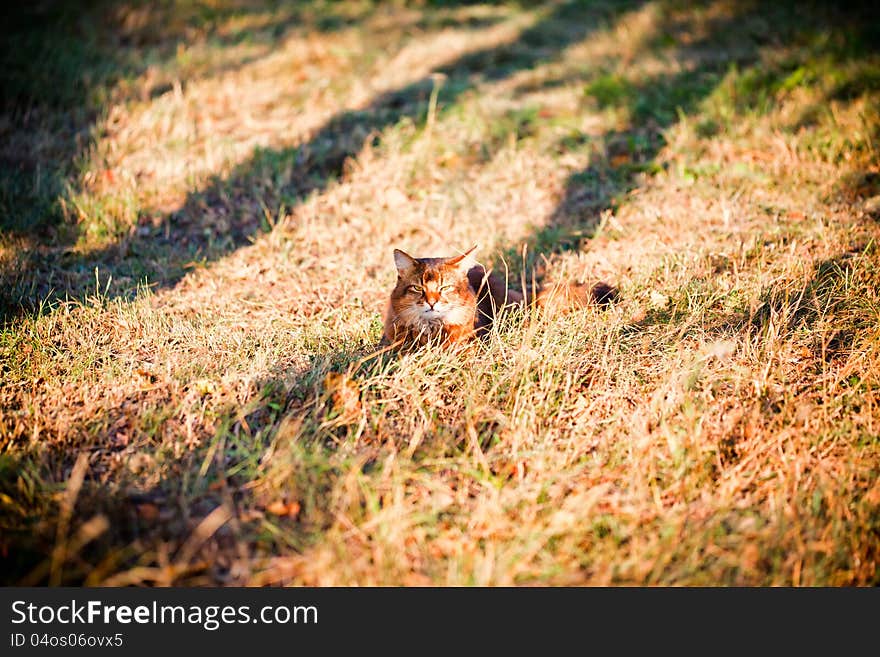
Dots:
pixel 197 306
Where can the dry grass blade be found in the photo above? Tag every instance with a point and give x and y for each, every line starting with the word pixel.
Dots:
pixel 71 491
pixel 203 531
pixel 198 210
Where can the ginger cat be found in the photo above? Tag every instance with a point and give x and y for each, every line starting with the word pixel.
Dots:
pixel 454 299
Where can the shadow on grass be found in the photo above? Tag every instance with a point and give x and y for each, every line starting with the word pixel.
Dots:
pixel 727 61
pixel 63 62
pixel 212 222
pixel 822 311
pixel 223 217
pixel 229 211
pixel 147 510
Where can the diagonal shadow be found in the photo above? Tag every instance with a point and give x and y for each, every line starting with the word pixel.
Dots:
pixel 653 104
pixel 181 236
pixel 61 57
pixel 227 213
pixel 623 159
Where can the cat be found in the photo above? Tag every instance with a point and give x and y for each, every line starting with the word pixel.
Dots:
pixel 454 299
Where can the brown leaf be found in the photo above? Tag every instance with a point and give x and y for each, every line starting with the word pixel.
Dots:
pixel 281 508
pixel 277 508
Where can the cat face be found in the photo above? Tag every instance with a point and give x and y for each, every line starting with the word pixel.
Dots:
pixel 433 291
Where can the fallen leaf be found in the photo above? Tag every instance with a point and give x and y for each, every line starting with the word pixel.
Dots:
pixel 277 508
pixel 280 508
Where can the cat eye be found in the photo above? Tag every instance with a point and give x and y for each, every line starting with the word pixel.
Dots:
pixel 447 288
pixel 415 288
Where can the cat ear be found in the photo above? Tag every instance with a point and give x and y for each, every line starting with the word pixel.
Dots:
pixel 465 261
pixel 403 261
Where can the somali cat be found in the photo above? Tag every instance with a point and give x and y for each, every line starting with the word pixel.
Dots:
pixel 453 299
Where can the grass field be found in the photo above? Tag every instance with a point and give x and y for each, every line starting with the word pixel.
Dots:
pixel 198 206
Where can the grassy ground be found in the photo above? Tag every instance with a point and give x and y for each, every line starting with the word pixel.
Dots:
pixel 198 204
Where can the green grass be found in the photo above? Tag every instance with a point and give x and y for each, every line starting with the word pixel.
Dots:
pixel 192 294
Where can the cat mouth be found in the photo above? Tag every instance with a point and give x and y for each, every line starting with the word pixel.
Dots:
pixel 431 314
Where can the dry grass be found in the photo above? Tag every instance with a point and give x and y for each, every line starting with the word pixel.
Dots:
pixel 190 391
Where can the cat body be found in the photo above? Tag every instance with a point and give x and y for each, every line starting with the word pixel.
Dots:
pixel 452 300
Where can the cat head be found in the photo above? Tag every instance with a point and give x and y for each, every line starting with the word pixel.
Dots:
pixel 434 290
